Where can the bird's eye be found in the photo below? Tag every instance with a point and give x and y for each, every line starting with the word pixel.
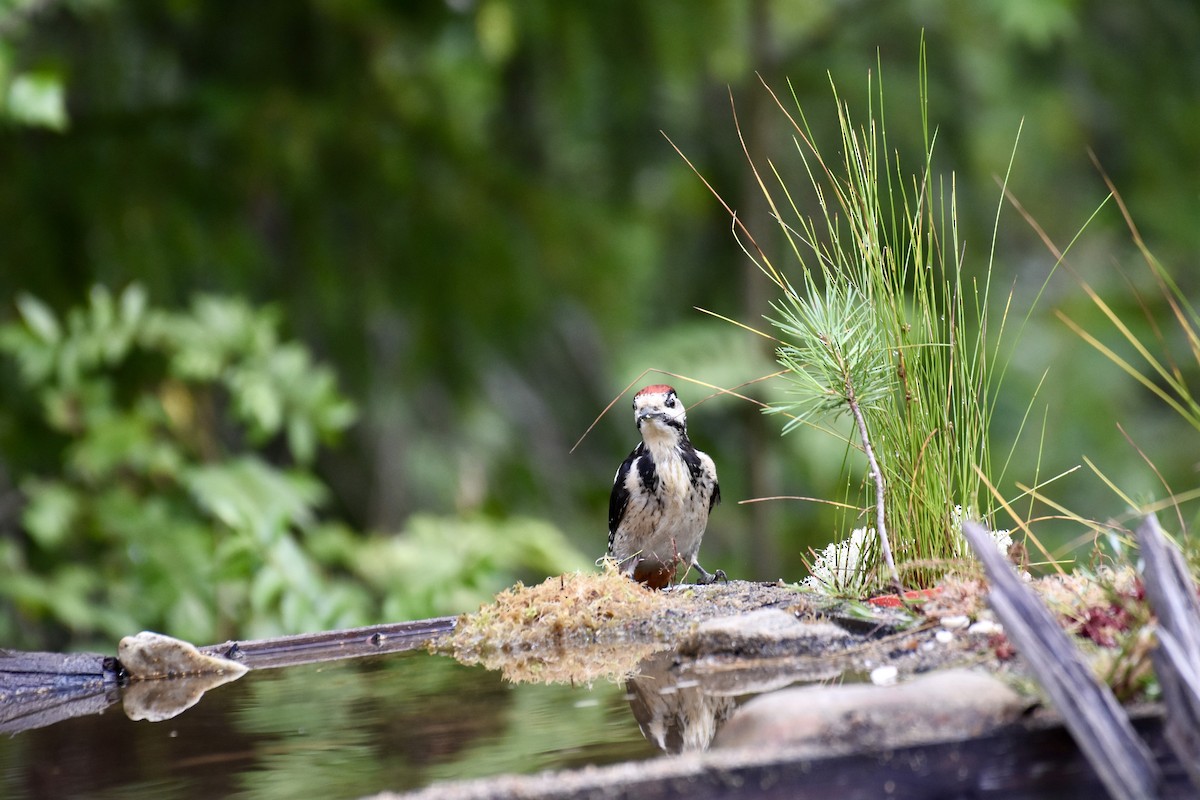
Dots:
pixel 670 401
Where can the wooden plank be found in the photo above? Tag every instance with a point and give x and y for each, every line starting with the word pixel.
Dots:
pixel 1090 711
pixel 39 689
pixel 1172 594
pixel 309 648
pixel 17 663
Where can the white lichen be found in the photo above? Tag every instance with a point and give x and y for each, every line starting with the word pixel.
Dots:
pixel 1001 538
pixel 840 568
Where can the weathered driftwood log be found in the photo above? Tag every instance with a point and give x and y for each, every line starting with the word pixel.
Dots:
pixel 40 689
pixel 1172 596
pixel 308 648
pixel 1090 711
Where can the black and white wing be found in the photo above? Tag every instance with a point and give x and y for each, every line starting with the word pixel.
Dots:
pixel 618 501
pixel 702 470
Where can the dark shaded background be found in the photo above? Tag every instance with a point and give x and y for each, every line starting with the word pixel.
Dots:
pixel 469 210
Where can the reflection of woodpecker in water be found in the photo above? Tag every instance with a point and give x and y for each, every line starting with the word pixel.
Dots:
pixel 678 718
pixel 662 495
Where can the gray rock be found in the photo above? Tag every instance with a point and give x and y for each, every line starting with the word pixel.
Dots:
pixel 168 676
pixel 823 720
pixel 149 655
pixel 764 632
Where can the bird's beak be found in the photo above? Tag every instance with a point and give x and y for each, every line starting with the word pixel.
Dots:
pixel 649 413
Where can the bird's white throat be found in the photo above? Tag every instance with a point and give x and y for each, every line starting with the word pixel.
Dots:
pixel 673 474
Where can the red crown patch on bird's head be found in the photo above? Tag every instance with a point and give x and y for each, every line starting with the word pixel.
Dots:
pixel 659 407
pixel 657 388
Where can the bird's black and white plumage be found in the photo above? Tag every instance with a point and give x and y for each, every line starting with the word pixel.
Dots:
pixel 662 495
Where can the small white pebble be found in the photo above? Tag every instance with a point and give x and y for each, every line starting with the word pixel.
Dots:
pixel 956 622
pixel 926 646
pixel 985 627
pixel 884 676
pixel 944 637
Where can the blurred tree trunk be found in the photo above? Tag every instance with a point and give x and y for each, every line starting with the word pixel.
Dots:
pixel 756 112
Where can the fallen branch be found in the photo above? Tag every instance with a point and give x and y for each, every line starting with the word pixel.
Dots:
pixel 308 648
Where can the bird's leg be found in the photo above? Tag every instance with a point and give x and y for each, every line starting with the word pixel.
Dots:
pixel 709 577
pixel 629 566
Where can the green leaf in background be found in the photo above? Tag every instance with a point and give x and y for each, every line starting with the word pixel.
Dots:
pixel 37 99
pixel 442 565
pixel 252 497
pixel 39 318
pixel 153 508
pixel 51 512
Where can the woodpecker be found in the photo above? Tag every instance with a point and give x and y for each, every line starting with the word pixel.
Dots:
pixel 662 495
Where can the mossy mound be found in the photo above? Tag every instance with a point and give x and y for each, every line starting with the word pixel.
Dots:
pixel 570 628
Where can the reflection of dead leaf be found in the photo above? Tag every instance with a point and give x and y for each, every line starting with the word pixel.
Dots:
pixel 168 676
pixel 161 699
pixel 152 655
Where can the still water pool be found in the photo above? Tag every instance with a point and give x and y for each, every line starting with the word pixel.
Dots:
pixel 334 730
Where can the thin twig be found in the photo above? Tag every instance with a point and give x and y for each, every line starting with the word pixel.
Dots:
pixel 885 546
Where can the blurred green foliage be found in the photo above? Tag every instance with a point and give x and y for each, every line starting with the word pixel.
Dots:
pixel 33 96
pixel 180 496
pixel 467 210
